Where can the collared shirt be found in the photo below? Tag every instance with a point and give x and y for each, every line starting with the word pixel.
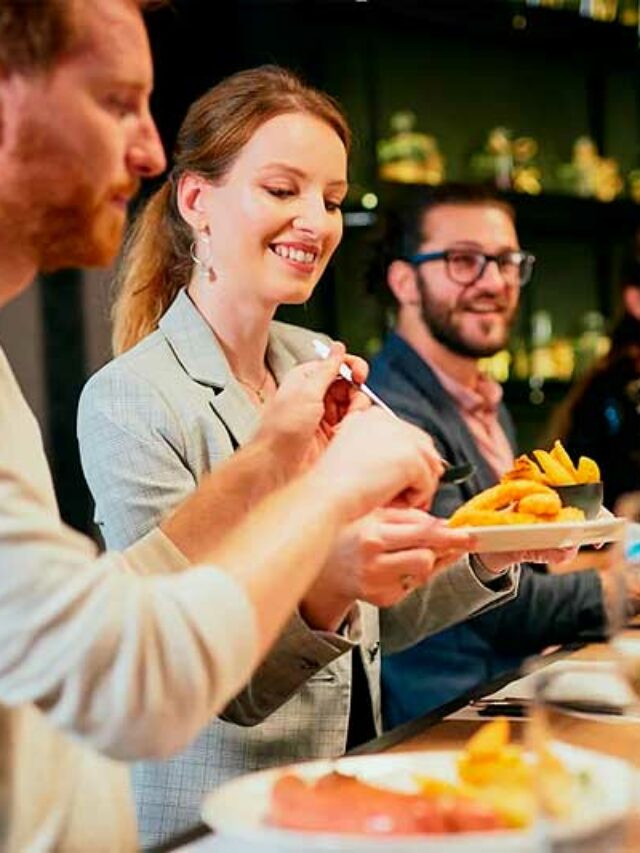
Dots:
pixel 479 409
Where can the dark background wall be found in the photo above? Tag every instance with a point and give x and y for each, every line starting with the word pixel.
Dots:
pixel 462 67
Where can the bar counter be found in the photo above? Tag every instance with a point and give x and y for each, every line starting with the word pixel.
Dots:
pixel 443 729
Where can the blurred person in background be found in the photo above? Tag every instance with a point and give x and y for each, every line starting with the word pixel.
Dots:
pixel 600 417
pixel 96 657
pixel 247 220
pixel 455 268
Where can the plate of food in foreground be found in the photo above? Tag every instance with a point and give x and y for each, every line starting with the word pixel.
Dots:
pixel 546 503
pixel 478 798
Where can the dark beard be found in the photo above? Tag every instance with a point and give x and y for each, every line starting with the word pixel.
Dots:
pixel 439 324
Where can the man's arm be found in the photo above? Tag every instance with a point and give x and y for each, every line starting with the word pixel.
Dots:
pixel 143 472
pixel 550 609
pixel 452 596
pixel 137 665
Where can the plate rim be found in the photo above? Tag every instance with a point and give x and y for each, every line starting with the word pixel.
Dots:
pixel 587 524
pixel 247 832
pixel 554 534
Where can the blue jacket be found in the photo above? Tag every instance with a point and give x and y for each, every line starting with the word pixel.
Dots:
pixel 548 610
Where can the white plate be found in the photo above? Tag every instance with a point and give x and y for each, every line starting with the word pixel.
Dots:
pixel 536 537
pixel 237 809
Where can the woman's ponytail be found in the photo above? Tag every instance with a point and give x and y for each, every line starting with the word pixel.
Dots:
pixel 154 267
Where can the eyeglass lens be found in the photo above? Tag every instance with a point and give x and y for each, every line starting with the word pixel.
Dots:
pixel 468 267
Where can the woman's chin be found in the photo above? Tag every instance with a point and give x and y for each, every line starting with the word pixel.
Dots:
pixel 296 295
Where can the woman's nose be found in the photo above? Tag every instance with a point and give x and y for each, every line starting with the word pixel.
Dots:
pixel 311 216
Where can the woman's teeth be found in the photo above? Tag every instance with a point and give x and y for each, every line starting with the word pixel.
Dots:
pixel 295 254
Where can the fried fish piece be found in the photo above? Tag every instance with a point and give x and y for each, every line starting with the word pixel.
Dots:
pixel 524 469
pixel 548 505
pixel 570 513
pixel 500 496
pixel 491 517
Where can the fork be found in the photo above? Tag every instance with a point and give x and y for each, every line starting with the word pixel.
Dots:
pixel 452 474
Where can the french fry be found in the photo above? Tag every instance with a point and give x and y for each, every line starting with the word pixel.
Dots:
pixel 489 739
pixel 560 455
pixel 556 473
pixel 588 471
pixel 526 494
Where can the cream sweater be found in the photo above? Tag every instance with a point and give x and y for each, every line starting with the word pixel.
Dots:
pixel 95 657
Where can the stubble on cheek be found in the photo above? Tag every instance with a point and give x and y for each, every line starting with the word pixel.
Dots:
pixel 56 206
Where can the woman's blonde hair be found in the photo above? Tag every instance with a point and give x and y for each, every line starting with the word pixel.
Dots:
pixel 157 261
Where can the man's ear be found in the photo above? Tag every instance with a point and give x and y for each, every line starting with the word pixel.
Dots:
pixel 403 283
pixel 631 301
pixel 190 200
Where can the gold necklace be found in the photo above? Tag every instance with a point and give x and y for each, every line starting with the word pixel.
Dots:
pixel 258 391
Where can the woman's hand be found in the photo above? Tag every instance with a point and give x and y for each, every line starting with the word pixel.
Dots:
pixel 309 406
pixel 497 562
pixel 381 559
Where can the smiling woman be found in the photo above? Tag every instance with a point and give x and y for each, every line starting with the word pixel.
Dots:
pixel 247 220
pixel 266 156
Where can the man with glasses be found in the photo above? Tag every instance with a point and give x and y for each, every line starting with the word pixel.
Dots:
pixel 456 271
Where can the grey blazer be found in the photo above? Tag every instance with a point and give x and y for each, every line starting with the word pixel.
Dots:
pixel 151 424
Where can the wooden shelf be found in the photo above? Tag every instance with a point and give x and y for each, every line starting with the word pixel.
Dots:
pixel 548 214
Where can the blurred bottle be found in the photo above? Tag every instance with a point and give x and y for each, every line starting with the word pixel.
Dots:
pixel 599 10
pixel 592 342
pixel 541 352
pixel 628 12
pixel 519 359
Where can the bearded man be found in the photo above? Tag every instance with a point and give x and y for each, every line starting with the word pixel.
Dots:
pixel 456 271
pixel 128 655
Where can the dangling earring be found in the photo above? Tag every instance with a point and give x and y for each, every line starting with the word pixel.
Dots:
pixel 205 269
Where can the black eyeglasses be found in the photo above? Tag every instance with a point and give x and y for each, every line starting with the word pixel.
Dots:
pixel 466 266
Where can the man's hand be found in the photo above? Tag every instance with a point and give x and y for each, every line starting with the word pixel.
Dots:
pixel 381 559
pixel 309 405
pixel 376 459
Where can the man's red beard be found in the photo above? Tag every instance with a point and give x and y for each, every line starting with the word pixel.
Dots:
pixel 79 234
pixel 55 210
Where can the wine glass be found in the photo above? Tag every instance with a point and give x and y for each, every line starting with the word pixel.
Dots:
pixel 623 592
pixel 585 723
pixel 583 737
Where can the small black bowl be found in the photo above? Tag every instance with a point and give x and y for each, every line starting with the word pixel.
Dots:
pixel 584 496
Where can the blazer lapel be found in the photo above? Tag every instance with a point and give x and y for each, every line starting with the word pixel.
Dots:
pixel 197 350
pixel 460 443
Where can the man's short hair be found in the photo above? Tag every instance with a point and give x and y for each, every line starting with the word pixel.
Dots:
pixel 35 34
pixel 411 220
